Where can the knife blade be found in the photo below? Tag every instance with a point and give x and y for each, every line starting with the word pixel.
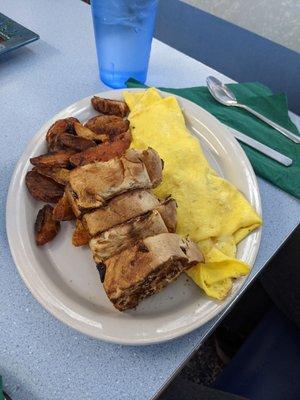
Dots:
pixel 262 148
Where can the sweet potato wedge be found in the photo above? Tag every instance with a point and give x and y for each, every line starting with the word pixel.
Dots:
pixel 80 236
pixel 59 175
pixel 43 188
pixel 56 159
pixel 63 210
pixel 110 107
pixel 103 152
pixel 60 126
pixel 108 125
pixel 45 227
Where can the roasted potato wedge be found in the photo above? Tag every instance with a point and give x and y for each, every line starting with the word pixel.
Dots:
pixel 55 146
pixel 103 152
pixel 87 133
pixel 73 142
pixel 45 227
pixel 110 107
pixel 63 210
pixel 56 159
pixel 43 188
pixel 107 125
pixel 59 175
pixel 60 126
pixel 80 236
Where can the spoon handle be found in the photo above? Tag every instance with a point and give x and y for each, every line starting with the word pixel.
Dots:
pixel 285 132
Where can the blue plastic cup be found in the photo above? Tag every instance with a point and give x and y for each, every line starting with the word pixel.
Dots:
pixel 123 34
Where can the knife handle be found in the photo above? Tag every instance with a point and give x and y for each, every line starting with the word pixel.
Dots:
pixel 267 151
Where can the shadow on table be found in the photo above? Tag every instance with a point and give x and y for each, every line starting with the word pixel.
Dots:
pixel 24 57
pixel 183 389
pixel 14 387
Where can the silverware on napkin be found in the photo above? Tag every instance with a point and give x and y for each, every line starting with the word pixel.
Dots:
pixel 267 151
pixel 225 96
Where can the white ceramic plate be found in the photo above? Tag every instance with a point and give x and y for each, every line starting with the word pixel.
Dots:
pixel 64 278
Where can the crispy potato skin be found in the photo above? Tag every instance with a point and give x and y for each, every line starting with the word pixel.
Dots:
pixel 107 126
pixel 110 107
pixel 103 152
pixel 45 227
pixel 87 133
pixel 73 142
pixel 60 126
pixel 80 236
pixel 59 175
pixel 63 210
pixel 43 188
pixel 56 159
pixel 55 145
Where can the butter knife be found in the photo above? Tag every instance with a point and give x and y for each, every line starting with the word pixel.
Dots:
pixel 267 151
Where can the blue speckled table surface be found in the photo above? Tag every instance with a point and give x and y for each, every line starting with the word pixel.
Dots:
pixel 40 358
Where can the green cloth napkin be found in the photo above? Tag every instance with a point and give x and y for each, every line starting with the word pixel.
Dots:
pixel 273 106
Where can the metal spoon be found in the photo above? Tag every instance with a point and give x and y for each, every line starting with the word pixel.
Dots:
pixel 225 96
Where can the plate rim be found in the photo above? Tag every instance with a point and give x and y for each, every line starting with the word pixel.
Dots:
pixel 73 322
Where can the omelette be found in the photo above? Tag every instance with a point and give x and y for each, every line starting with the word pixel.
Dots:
pixel 211 211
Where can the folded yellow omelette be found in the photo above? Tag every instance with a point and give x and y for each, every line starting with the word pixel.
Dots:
pixel 211 211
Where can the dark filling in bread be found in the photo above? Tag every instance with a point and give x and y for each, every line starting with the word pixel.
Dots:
pixel 153 283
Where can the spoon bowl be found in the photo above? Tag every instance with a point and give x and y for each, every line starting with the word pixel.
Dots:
pixel 221 92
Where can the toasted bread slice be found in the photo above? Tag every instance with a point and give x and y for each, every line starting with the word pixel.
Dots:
pixel 146 268
pixel 119 210
pixel 123 236
pixel 153 166
pixel 92 185
pixel 127 206
pixel 168 212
